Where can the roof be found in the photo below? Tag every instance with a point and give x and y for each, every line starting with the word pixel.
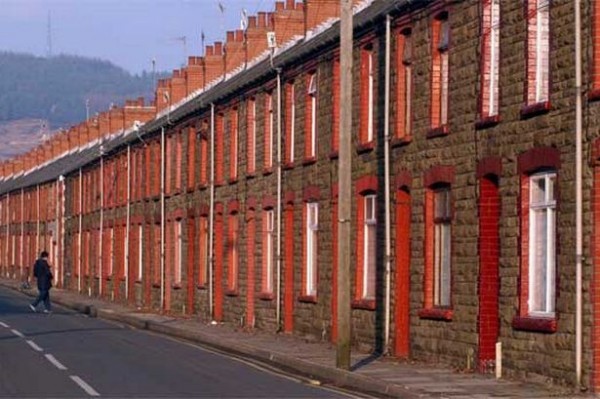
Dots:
pixel 374 12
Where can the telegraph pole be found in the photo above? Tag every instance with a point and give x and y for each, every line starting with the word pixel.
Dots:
pixel 345 187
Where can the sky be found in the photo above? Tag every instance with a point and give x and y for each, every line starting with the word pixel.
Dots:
pixel 129 33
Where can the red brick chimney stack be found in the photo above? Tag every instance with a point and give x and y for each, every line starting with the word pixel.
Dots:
pixel 178 86
pixel 194 74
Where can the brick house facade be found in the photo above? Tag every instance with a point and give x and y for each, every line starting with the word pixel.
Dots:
pixel 482 116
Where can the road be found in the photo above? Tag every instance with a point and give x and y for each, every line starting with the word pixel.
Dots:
pixel 67 355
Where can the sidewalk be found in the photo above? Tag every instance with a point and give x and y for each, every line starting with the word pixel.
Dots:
pixel 381 377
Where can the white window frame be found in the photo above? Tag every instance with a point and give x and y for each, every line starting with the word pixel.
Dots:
pixel 371 89
pixel 312 91
pixel 270 231
pixel 271 123
pixel 407 87
pixel 370 228
pixel 542 270
pixel 178 272
pixel 494 62
pixel 140 252
pixel 252 127
pixel 542 53
pixel 312 228
pixel 203 242
pixel 292 122
pixel 442 265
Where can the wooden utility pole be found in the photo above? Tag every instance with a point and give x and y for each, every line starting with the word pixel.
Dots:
pixel 345 187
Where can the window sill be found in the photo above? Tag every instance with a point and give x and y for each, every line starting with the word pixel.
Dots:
pixel 250 175
pixel 309 161
pixel 155 285
pixel 534 324
pixel 307 298
pixel 267 171
pixel 444 314
pixel 232 292
pixel 487 121
pixel 400 141
pixel 334 155
pixel 138 282
pixel 439 131
pixel 201 286
pixel 594 95
pixel 219 183
pixel 176 286
pixel 266 296
pixel 531 110
pixel 367 304
pixel 202 186
pixel 288 165
pixel 363 148
pixel 232 180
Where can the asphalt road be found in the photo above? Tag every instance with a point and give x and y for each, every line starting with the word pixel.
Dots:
pixel 67 355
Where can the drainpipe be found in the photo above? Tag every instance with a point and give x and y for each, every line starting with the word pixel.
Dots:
pixel 211 212
pixel 278 306
pixel 128 221
pixel 162 218
pixel 388 234
pixel 79 240
pixel 60 229
pixel 101 218
pixel 578 194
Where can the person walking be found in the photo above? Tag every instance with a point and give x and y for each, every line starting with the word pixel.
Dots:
pixel 41 271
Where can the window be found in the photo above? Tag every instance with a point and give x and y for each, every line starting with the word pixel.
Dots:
pixel 439 75
pixel 169 149
pixel 191 157
pixel 203 136
pixel 232 252
pixel 156 253
pixel 370 247
pixel 111 251
pixel 203 250
pixel 403 84
pixel 268 131
pixel 490 58
pixel 141 258
pixel 335 120
pixel 442 247
pixel 290 122
pixel 219 142
pixel 251 135
pixel 233 157
pixel 310 117
pixel 311 218
pixel 538 51
pixel 178 251
pixel 595 69
pixel 178 138
pixel 367 94
pixel 542 244
pixel 268 250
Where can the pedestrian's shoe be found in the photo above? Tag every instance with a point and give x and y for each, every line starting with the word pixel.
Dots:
pixel 47 311
pixel 32 308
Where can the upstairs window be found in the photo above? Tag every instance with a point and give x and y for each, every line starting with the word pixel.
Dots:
pixel 490 92
pixel 538 51
pixel 404 85
pixel 290 123
pixel 251 136
pixel 233 139
pixel 439 72
pixel 367 94
pixel 310 117
pixel 268 145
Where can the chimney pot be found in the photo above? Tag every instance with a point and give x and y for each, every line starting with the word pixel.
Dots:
pixel 252 21
pixel 279 6
pixel 218 48
pixel 239 35
pixel 230 36
pixel 290 4
pixel 209 50
pixel 262 19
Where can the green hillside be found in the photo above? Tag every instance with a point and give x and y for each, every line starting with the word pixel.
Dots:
pixel 56 88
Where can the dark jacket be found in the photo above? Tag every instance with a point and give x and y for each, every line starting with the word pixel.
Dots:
pixel 41 271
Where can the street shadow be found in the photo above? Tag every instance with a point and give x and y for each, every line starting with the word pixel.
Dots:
pixel 366 361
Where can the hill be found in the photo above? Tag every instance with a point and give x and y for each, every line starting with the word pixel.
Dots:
pixel 57 88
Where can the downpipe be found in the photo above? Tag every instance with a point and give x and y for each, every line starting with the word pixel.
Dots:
pixel 279 171
pixel 211 213
pixel 388 246
pixel 79 240
pixel 162 218
pixel 128 221
pixel 100 245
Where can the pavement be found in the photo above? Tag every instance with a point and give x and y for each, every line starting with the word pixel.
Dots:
pixel 371 375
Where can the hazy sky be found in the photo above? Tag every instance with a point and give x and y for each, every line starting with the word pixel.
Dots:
pixel 129 33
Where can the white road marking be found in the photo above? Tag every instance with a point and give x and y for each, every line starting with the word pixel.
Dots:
pixel 55 362
pixel 4 325
pixel 34 346
pixel 18 333
pixel 85 386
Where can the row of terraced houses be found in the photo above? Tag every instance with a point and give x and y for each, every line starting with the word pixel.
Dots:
pixel 219 200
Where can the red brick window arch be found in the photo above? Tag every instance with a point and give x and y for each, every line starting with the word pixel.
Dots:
pixel 438 209
pixel 538 170
pixel 366 242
